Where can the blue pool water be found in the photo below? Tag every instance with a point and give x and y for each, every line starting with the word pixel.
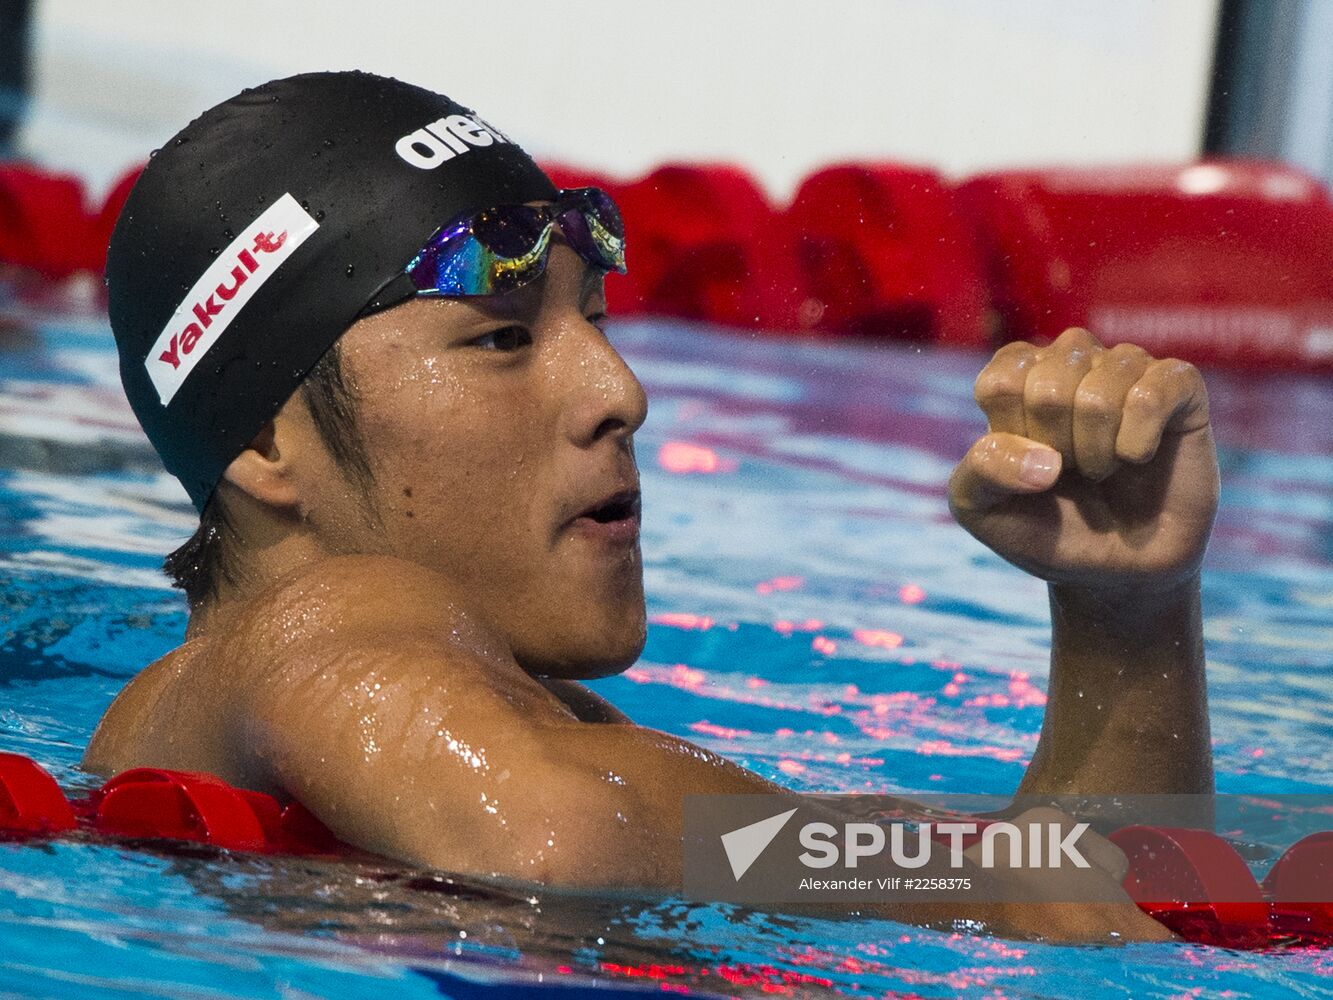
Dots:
pixel 816 616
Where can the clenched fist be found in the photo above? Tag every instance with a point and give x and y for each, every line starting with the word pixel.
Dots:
pixel 1098 469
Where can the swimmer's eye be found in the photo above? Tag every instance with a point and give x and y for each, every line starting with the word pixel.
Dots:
pixel 507 338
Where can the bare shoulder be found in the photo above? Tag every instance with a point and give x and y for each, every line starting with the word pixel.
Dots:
pixel 188 710
pixel 130 733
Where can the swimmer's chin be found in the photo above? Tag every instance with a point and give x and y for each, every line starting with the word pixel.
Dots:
pixel 590 664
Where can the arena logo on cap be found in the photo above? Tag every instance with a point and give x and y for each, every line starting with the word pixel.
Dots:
pixel 445 138
pixel 223 290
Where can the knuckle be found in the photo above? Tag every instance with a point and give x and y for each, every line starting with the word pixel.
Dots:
pixel 1128 357
pixel 1076 336
pixel 997 383
pixel 1127 350
pixel 1096 404
pixel 984 454
pixel 1015 349
pixel 1047 393
pixel 1175 370
pixel 1144 397
pixel 1186 372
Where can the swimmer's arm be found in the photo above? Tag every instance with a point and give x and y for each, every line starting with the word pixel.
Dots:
pixel 445 759
pixel 1127 708
pixel 451 762
pixel 1098 474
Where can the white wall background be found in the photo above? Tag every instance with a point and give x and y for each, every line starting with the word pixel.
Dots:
pixel 779 86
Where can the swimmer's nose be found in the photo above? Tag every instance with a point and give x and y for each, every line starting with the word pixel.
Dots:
pixel 608 398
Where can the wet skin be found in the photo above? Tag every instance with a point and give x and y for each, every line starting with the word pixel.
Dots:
pixel 403 659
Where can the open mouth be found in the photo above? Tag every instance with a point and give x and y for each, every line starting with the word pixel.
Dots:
pixel 620 507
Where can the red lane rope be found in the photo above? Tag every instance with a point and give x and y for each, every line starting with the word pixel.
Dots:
pixel 1221 261
pixel 1190 880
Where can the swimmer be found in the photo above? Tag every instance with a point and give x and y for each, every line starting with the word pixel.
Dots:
pixel 365 331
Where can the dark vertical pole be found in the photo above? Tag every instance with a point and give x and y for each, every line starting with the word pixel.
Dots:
pixel 1255 57
pixel 15 28
pixel 1222 87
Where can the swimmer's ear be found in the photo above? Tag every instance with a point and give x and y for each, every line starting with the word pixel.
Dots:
pixel 262 472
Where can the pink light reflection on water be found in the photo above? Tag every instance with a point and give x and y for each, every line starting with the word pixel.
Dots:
pixel 683 458
pixel 720 732
pixel 903 721
pixel 877 637
pixel 683 620
pixel 824 645
pixel 910 593
pixel 875 960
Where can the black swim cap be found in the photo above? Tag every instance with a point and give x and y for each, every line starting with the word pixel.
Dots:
pixel 259 233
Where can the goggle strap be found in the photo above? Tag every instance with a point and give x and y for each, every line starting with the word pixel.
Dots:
pixel 396 290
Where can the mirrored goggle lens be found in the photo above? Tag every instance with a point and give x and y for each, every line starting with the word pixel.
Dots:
pixel 452 263
pixel 510 230
pixel 593 227
pixel 466 266
pixel 503 248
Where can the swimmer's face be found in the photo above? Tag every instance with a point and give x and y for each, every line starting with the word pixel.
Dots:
pixel 492 424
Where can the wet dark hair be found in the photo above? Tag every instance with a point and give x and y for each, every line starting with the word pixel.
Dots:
pixel 208 558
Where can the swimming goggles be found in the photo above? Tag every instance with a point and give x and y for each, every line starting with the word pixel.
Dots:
pixel 499 249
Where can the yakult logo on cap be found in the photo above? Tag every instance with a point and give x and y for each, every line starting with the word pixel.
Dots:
pixel 445 138
pixel 223 290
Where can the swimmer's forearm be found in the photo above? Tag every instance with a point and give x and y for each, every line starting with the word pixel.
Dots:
pixel 1127 709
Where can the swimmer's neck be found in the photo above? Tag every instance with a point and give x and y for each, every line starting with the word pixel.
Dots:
pixel 263 551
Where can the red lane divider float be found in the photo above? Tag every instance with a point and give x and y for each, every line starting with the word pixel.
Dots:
pixel 1190 880
pixel 43 225
pixel 885 250
pixel 30 800
pixel 1225 262
pixel 1195 884
pixel 153 803
pixel 707 245
pixel 1220 261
